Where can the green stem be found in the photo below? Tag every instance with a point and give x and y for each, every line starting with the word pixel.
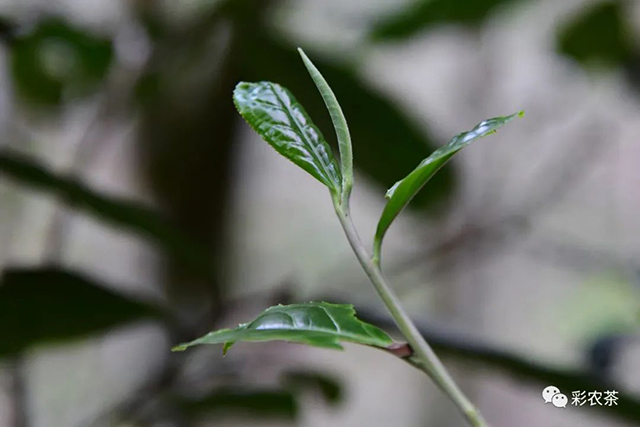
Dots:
pixel 424 357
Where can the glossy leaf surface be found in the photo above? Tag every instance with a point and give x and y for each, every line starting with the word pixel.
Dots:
pixel 319 324
pixel 387 141
pixel 404 190
pixel 339 124
pixel 273 112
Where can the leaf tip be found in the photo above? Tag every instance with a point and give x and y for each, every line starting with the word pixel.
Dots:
pixel 390 191
pixel 181 347
pixel 303 55
pixel 240 85
pixel 225 348
pixel 521 113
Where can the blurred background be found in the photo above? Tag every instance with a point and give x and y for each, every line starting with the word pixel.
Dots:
pixel 138 210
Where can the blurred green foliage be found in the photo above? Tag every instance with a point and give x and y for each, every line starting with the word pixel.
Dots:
pixel 607 304
pixel 248 403
pixel 53 305
pixel 125 214
pixel 423 14
pixel 281 402
pixel 54 59
pixel 598 35
pixel 330 389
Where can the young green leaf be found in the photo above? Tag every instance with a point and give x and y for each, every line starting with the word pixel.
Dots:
pixel 403 191
pixel 319 324
pixel 373 118
pixel 339 124
pixel 273 112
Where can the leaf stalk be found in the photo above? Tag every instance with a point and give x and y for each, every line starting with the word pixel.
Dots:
pixel 424 358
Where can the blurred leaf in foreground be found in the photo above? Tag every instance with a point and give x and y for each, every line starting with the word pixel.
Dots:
pixel 597 36
pixel 319 324
pixel 605 304
pixel 425 13
pixel 51 305
pixel 126 214
pixel 253 403
pixel 56 59
pixel 602 36
pixel 329 388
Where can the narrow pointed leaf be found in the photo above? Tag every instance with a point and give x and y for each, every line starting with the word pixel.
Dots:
pixel 319 324
pixel 404 190
pixel 388 141
pixel 339 124
pixel 273 112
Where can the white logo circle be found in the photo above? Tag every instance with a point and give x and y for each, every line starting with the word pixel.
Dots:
pixel 549 392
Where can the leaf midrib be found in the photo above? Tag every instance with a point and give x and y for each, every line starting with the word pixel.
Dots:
pixel 338 332
pixel 318 158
